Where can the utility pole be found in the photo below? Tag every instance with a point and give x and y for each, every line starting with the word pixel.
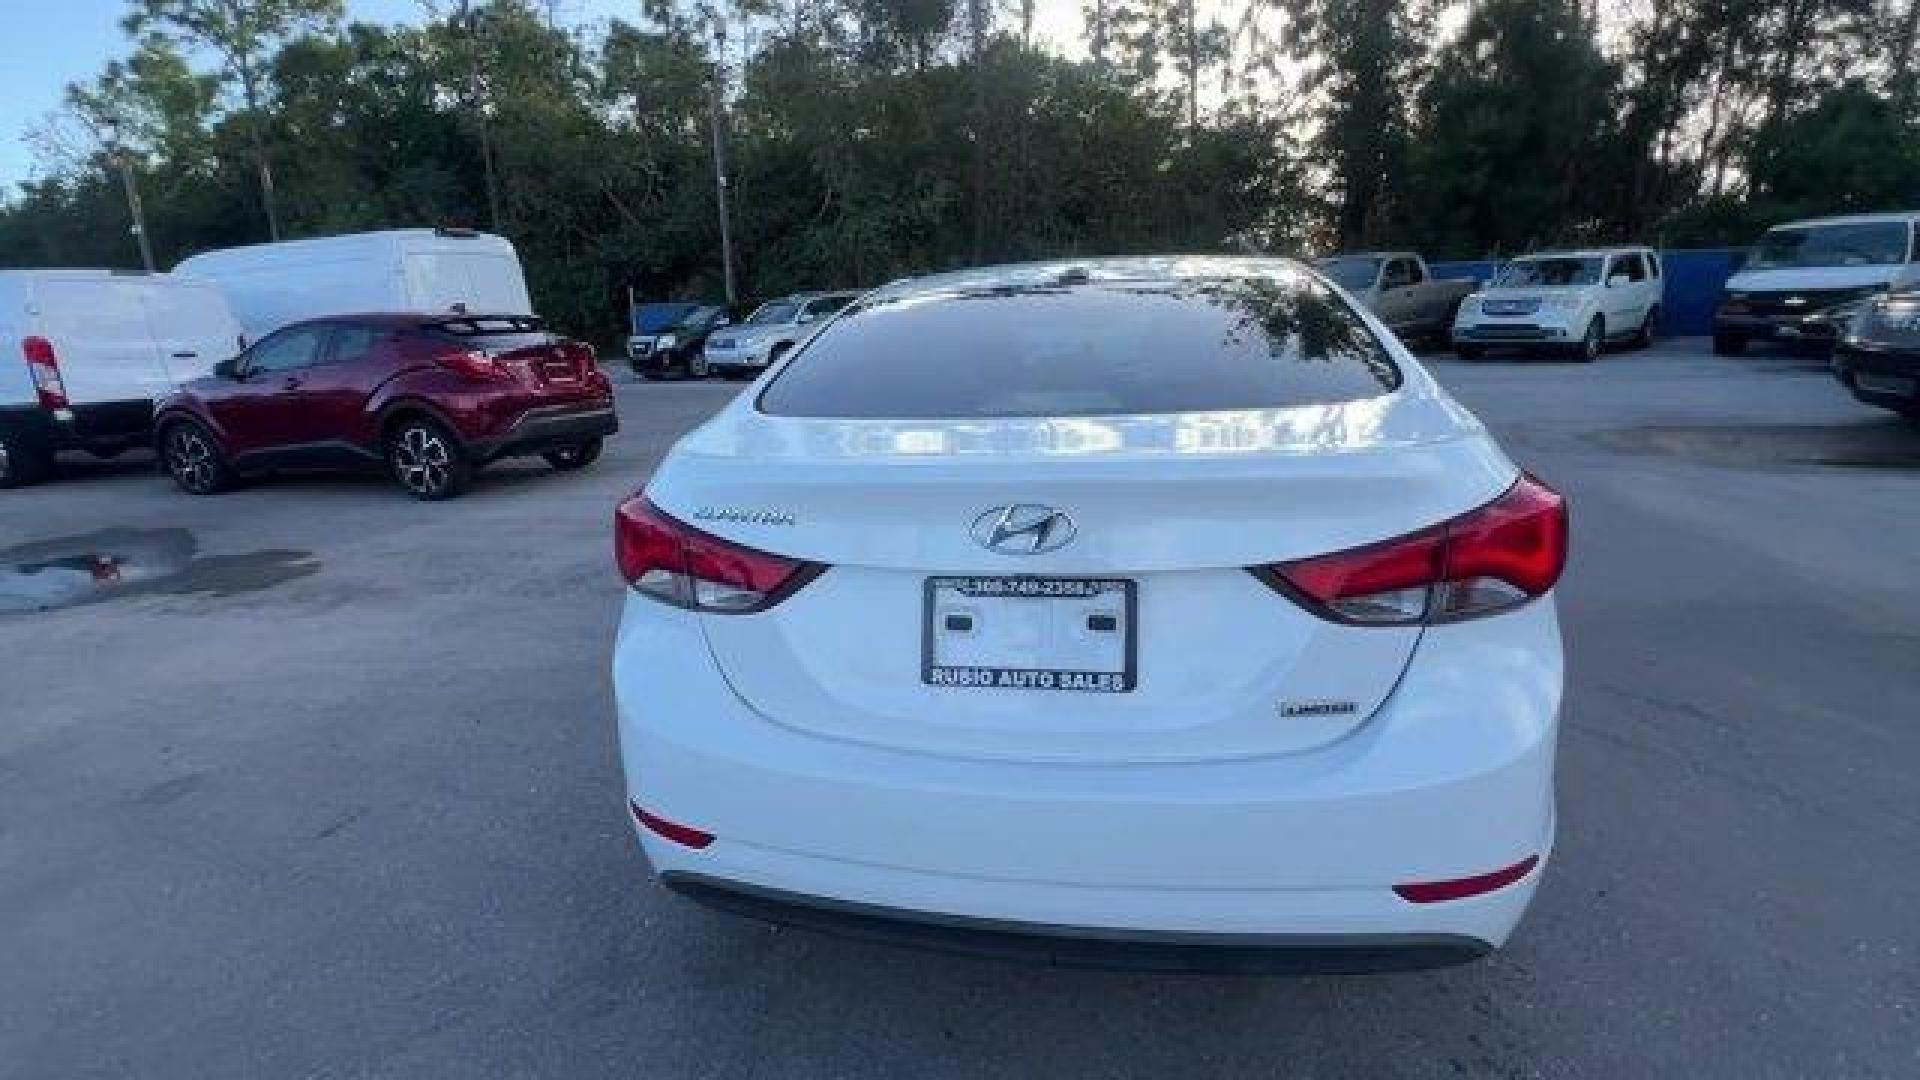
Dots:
pixel 125 161
pixel 256 136
pixel 720 156
pixel 1190 21
pixel 470 23
pixel 977 27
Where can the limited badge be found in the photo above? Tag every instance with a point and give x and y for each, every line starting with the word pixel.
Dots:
pixel 1318 707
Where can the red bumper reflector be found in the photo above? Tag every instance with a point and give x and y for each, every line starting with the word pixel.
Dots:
pixel 1433 892
pixel 684 835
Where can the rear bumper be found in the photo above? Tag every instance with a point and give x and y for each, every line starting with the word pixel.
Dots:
pixel 551 428
pixel 1084 946
pixel 37 428
pixel 1452 778
pixel 112 423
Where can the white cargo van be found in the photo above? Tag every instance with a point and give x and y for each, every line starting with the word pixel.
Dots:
pixel 84 353
pixel 426 270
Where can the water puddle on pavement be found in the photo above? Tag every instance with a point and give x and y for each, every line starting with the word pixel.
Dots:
pixel 62 572
pixel 1873 444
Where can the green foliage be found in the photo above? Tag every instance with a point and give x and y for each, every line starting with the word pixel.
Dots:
pixel 1515 145
pixel 1360 57
pixel 1852 150
pixel 875 138
pixel 851 139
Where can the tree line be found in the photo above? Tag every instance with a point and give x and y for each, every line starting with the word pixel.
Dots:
pixel 869 139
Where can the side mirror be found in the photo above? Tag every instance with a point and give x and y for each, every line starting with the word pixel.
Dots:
pixel 1617 281
pixel 228 368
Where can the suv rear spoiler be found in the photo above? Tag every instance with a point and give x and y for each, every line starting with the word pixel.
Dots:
pixel 474 325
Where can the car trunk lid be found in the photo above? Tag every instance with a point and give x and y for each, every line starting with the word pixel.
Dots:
pixel 1194 657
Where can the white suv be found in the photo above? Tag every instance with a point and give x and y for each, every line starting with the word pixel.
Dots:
pixel 775 327
pixel 1573 301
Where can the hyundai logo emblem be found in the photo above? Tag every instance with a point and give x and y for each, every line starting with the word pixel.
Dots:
pixel 1023 529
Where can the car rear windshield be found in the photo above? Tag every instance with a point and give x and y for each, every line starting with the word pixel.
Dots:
pixel 494 333
pixel 1111 347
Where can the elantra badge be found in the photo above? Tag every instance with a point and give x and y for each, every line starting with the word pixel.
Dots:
pixel 1023 529
pixel 743 515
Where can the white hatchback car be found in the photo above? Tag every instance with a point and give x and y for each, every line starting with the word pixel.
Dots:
pixel 1152 612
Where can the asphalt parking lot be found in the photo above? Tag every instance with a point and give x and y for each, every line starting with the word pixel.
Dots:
pixel 333 792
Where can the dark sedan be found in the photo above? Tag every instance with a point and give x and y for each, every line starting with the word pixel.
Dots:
pixel 1878 358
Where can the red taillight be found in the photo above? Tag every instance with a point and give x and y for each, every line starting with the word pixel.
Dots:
pixel 1434 892
pixel 587 362
pixel 678 564
pixel 45 369
pixel 1490 559
pixel 684 835
pixel 475 365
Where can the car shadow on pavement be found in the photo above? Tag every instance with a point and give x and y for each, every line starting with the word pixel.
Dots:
pixel 82 468
pixel 841 1006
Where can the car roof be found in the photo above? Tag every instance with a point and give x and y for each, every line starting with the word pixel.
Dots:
pixel 411 318
pixel 306 247
pixel 1851 219
pixel 1114 269
pixel 75 272
pixel 1582 253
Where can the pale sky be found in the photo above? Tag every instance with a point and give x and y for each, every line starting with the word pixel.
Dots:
pixel 53 42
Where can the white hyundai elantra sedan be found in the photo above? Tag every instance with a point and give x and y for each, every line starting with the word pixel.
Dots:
pixel 1155 612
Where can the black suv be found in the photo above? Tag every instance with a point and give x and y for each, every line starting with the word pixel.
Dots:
pixel 680 349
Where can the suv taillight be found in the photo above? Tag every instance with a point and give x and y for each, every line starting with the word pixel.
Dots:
pixel 680 565
pixel 1484 561
pixel 474 364
pixel 45 369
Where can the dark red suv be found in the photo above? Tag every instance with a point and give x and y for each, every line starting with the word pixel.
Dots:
pixel 429 397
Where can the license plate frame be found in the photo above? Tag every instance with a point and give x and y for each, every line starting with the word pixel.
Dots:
pixel 1035 588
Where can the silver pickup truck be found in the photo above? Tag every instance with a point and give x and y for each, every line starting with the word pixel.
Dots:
pixel 1397 286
